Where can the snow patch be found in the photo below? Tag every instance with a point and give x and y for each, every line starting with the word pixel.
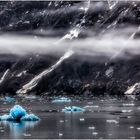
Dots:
pixel 133 89
pixel 109 72
pixel 4 75
pixel 22 73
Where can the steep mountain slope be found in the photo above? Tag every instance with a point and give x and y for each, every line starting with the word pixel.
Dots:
pixel 67 71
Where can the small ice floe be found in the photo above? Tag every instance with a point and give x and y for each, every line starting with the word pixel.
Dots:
pixel 62 100
pixel 131 127
pixel 112 121
pixel 138 128
pixel 61 121
pixel 91 127
pixel 30 97
pixel 131 104
pixel 94 133
pixel 8 99
pixel 91 106
pixel 17 113
pixel 132 137
pixel 82 119
pixel 60 134
pixel 73 109
pixel 26 135
pixel 126 111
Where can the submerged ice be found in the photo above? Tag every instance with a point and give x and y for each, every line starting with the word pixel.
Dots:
pixel 18 113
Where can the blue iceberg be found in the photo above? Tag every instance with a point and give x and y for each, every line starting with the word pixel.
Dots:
pixel 62 100
pixel 29 117
pixel 18 113
pixel 73 109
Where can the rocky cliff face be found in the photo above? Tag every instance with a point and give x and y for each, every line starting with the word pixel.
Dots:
pixel 70 72
pixel 76 75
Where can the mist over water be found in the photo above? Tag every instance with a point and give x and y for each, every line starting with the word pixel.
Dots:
pixel 109 44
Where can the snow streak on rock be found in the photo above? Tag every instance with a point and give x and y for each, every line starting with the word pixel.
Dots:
pixel 4 75
pixel 29 86
pixel 133 89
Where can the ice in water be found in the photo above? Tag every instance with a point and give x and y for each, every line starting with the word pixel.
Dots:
pixel 73 109
pixel 29 117
pixel 112 121
pixel 62 100
pixel 18 113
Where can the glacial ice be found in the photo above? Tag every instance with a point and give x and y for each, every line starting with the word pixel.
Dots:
pixel 73 109
pixel 62 100
pixel 6 118
pixel 29 117
pixel 18 113
pixel 9 99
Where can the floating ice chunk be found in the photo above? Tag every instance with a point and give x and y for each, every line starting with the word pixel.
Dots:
pixel 30 117
pixel 91 127
pixel 30 97
pixel 95 133
pixel 112 121
pixel 60 134
pixel 62 100
pixel 82 119
pixel 73 109
pixel 131 104
pixel 27 135
pixel 17 112
pixel 9 99
pixel 131 127
pixel 126 111
pixel 6 118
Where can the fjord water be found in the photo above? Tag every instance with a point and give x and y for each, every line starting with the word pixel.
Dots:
pixel 108 117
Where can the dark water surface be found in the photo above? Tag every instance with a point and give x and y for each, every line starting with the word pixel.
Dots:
pixel 103 118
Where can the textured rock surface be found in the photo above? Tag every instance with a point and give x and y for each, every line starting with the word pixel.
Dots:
pixel 77 74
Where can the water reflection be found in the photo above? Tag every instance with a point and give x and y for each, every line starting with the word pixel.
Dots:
pixel 18 129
